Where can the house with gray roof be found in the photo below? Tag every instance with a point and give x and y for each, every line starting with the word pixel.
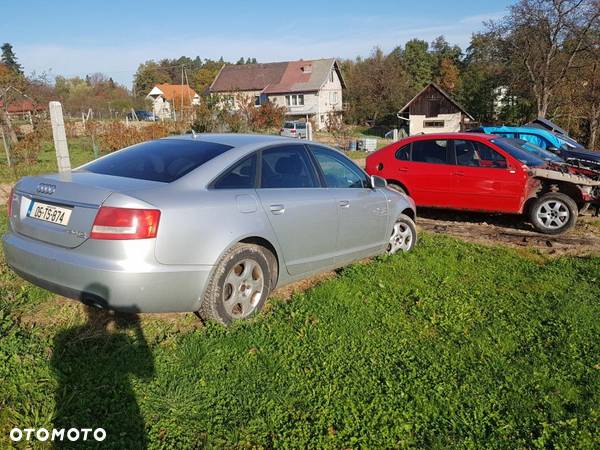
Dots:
pixel 309 90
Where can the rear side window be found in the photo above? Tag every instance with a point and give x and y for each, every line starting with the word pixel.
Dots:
pixel 433 152
pixel 241 176
pixel 164 160
pixel 287 167
pixel 403 153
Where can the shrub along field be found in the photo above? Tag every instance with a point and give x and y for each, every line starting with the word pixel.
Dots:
pixel 453 345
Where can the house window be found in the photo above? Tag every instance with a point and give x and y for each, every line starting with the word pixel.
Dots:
pixel 333 98
pixel 331 76
pixel 257 100
pixel 433 124
pixel 294 100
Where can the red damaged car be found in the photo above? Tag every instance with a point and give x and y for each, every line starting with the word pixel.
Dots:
pixel 481 172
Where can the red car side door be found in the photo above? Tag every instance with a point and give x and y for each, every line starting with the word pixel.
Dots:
pixel 485 179
pixel 428 173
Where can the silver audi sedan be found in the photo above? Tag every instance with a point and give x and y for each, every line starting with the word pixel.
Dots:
pixel 209 223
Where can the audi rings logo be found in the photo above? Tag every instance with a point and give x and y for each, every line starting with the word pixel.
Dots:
pixel 47 189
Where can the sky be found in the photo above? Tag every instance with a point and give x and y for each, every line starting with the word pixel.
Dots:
pixel 74 38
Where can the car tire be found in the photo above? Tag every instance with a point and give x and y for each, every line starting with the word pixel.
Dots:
pixel 403 236
pixel 239 285
pixel 553 213
pixel 397 187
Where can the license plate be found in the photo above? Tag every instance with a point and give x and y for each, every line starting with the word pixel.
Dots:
pixel 49 213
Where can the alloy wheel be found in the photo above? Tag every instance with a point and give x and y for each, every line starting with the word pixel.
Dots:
pixel 553 214
pixel 401 238
pixel 243 288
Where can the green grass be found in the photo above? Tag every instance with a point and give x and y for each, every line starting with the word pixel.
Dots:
pixel 452 346
pixel 80 150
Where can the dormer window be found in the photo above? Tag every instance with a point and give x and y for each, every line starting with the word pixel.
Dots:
pixel 306 69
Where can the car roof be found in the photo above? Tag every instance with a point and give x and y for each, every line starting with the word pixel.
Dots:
pixel 532 130
pixel 233 139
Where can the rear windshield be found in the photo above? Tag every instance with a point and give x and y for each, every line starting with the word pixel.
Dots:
pixel 509 146
pixel 301 125
pixel 164 160
pixel 288 125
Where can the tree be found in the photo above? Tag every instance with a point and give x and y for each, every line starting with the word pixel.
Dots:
pixel 542 40
pixel 147 76
pixel 481 75
pixel 9 59
pixel 377 87
pixel 446 59
pixel 418 63
pixel 448 77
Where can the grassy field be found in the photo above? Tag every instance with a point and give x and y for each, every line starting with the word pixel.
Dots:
pixel 80 149
pixel 454 345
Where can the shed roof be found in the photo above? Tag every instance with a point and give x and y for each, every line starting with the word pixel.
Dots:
pixel 441 91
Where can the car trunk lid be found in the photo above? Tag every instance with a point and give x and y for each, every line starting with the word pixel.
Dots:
pixel 82 193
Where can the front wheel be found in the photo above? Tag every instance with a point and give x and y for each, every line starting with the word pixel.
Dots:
pixel 404 235
pixel 553 213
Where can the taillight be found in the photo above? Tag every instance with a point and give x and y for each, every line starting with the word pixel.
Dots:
pixel 293 130
pixel 125 223
pixel 9 206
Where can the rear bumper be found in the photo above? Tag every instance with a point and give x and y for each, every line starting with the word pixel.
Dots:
pixel 151 287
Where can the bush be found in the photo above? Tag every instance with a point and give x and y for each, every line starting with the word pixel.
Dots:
pixel 116 135
pixel 27 149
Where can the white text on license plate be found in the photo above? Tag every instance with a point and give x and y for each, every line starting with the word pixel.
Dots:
pixel 49 213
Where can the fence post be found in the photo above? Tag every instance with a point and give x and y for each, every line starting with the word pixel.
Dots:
pixel 60 137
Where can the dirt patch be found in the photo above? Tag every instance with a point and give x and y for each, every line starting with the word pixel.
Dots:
pixel 513 231
pixel 289 290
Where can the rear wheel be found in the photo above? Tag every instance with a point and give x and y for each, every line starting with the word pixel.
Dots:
pixel 553 213
pixel 239 285
pixel 404 235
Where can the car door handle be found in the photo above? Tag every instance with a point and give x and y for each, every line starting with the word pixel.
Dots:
pixel 277 209
pixel 459 174
pixel 345 203
pixel 402 169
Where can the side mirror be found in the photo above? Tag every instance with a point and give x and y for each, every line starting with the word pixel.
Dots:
pixel 378 182
pixel 553 149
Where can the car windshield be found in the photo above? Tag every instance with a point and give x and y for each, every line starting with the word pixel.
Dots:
pixel 537 151
pixel 164 160
pixel 527 158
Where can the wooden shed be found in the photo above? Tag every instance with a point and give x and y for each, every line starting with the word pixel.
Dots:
pixel 433 111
